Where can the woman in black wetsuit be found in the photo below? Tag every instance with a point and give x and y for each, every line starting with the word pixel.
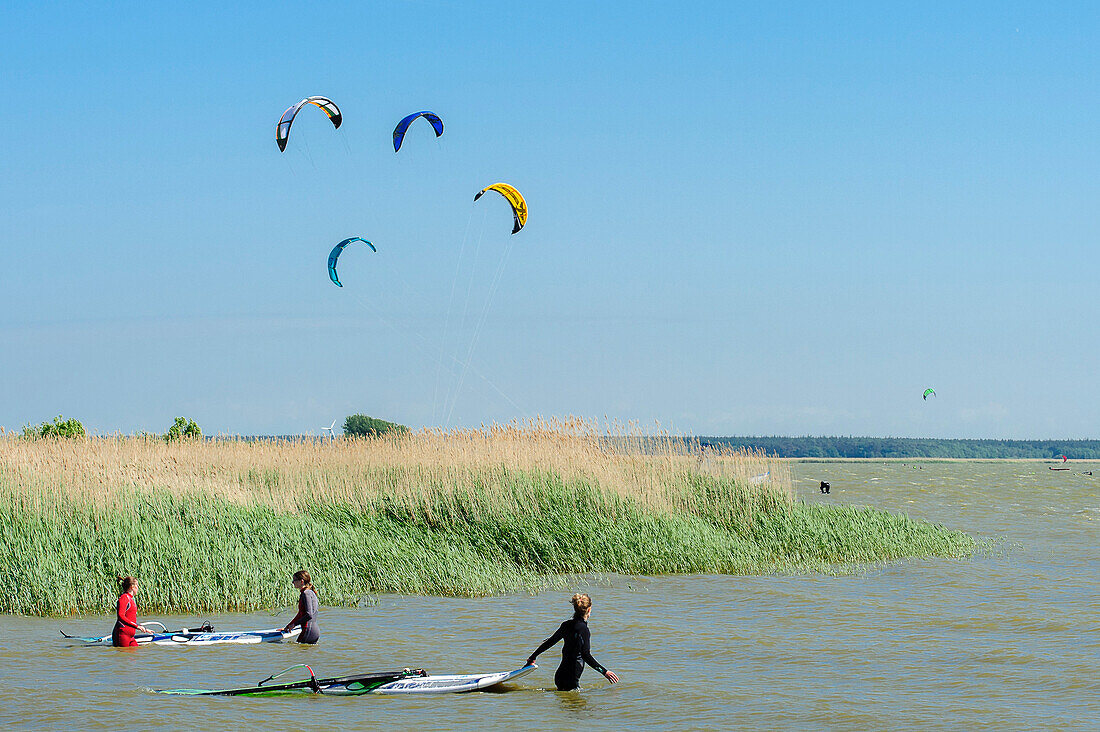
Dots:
pixel 576 650
pixel 307 609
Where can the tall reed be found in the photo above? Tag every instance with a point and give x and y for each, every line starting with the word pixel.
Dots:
pixel 219 524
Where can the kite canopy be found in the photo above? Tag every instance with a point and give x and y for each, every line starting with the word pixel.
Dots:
pixel 403 125
pixel 326 105
pixel 928 393
pixel 519 206
pixel 335 254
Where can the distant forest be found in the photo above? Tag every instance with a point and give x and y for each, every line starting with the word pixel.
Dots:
pixel 909 447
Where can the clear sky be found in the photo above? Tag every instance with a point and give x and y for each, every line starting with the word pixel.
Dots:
pixel 745 218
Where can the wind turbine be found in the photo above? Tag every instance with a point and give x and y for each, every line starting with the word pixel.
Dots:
pixel 329 429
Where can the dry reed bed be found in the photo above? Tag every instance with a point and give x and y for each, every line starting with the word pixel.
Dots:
pixel 424 465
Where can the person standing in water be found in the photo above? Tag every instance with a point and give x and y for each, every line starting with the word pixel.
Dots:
pixel 576 650
pixel 126 624
pixel 307 609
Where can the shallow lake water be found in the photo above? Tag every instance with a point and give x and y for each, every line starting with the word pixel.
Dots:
pixel 1009 639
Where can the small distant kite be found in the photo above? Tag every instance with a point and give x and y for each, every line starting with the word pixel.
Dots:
pixel 335 254
pixel 928 393
pixel 403 125
pixel 519 206
pixel 1064 458
pixel 326 105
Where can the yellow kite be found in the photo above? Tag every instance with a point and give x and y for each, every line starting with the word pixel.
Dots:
pixel 519 206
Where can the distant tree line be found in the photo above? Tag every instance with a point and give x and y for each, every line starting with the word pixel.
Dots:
pixel 909 447
pixel 183 428
pixel 360 425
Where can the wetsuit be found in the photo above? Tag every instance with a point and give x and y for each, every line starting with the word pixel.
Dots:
pixel 125 622
pixel 574 653
pixel 306 617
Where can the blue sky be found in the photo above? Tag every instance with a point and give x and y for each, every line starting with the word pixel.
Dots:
pixel 745 218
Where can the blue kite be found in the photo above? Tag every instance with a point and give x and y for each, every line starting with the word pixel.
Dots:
pixel 335 254
pixel 399 131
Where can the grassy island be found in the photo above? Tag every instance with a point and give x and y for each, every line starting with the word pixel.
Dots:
pixel 212 525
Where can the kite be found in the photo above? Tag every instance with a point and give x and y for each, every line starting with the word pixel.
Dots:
pixel 519 206
pixel 282 130
pixel 928 393
pixel 335 254
pixel 399 131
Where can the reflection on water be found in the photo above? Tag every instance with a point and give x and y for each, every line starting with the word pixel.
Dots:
pixel 1007 639
pixel 572 702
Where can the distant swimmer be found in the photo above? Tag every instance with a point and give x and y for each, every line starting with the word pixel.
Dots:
pixel 576 650
pixel 824 488
pixel 126 624
pixel 307 609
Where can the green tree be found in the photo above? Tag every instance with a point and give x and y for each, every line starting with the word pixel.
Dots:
pixel 60 427
pixel 360 425
pixel 183 428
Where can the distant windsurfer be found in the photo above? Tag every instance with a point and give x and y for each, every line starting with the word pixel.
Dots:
pixel 307 609
pixel 126 624
pixel 576 650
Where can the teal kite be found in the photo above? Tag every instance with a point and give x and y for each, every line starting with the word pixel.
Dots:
pixel 335 254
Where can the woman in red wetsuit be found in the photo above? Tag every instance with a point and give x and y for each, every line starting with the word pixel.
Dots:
pixel 126 623
pixel 307 609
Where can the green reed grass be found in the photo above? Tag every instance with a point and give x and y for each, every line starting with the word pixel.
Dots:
pixel 481 530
